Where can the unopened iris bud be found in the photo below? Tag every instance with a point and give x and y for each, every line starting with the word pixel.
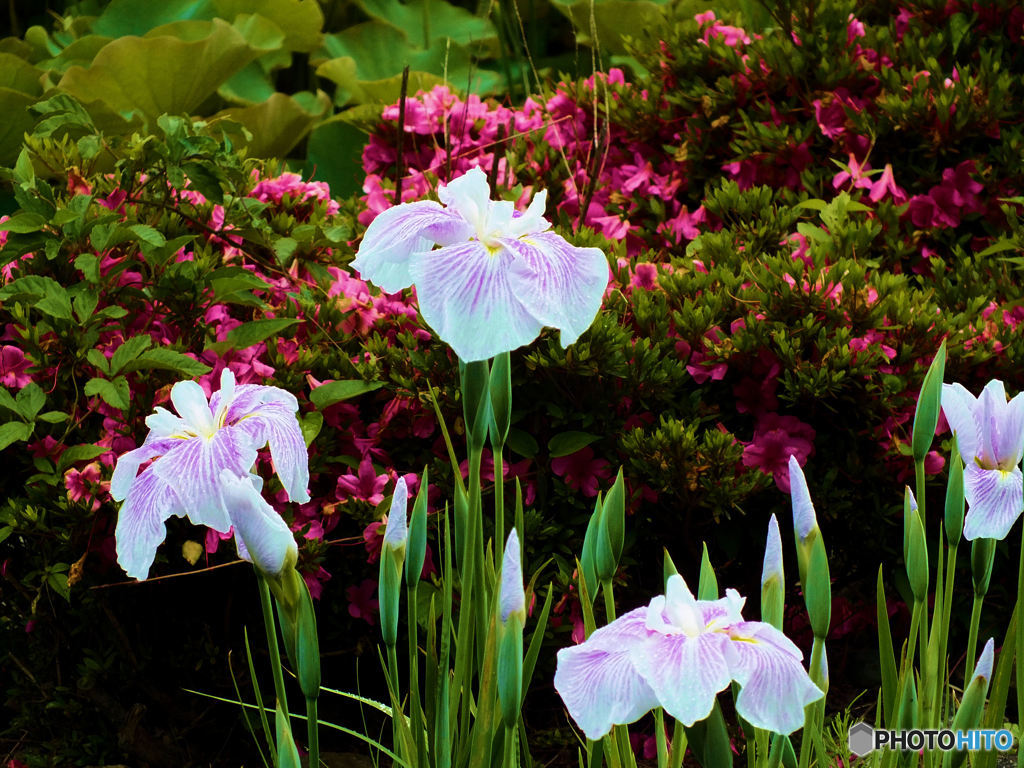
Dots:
pixel 588 558
pixel 417 543
pixel 972 705
pixel 611 533
pixel 955 497
pixel 916 549
pixel 773 579
pixel 512 615
pixel 501 398
pixel 983 553
pixel 926 416
pixel 805 522
pixel 476 401
pixel 392 559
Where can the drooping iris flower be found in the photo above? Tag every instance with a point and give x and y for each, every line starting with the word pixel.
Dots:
pixel 678 653
pixel 499 275
pixel 261 535
pixel 990 436
pixel 188 453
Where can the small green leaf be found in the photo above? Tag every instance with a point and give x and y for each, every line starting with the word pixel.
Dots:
pixel 129 351
pixel 115 393
pixel 59 583
pixel 20 223
pixel 53 417
pixel 337 391
pixel 12 432
pixel 248 334
pixel 566 443
pixel 30 400
pixel 148 235
pixel 164 359
pixel 522 442
pixel 310 424
pixel 76 453
pixel 98 359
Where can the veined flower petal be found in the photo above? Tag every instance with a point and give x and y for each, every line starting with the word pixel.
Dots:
pixel 597 679
pixel 261 535
pixel 469 196
pixel 804 519
pixel 561 285
pixel 140 522
pixel 995 499
pixel 400 232
pixel 163 423
pixel 772 567
pixel 685 673
pixel 193 468
pixel 1008 437
pixel 774 686
pixel 191 404
pixel 465 296
pixel 396 532
pixel 127 467
pixel 960 408
pixel 275 423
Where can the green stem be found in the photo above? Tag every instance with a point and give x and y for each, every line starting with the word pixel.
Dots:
pixel 414 678
pixel 509 760
pixel 393 674
pixel 811 721
pixel 312 732
pixel 1020 651
pixel 943 687
pixel 659 737
pixel 499 500
pixel 972 636
pixel 675 756
pixel 275 653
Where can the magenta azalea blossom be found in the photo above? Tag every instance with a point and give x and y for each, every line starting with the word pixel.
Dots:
pixel 189 452
pixel 499 275
pixel 990 435
pixel 678 653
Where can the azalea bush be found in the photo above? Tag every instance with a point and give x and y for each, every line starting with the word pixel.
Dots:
pixel 788 244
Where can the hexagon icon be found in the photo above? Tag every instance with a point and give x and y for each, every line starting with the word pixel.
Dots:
pixel 861 738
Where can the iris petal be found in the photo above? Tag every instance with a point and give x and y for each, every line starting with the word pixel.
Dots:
pixel 275 423
pixel 561 285
pixel 685 673
pixel 995 499
pixel 466 297
pixel 193 468
pixel 960 408
pixel 1008 437
pixel 774 687
pixel 140 523
pixel 190 403
pixel 597 679
pixel 469 196
pixel 261 535
pixel 396 234
pixel 128 464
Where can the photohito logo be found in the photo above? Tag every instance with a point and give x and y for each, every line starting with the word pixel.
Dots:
pixel 862 739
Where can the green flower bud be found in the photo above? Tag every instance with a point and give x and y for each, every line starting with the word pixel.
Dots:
pixel 955 497
pixel 926 417
pixel 476 401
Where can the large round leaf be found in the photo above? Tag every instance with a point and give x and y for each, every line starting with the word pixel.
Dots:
pixel 300 20
pixel 137 17
pixel 154 75
pixel 16 122
pixel 18 75
pixel 428 23
pixel 278 124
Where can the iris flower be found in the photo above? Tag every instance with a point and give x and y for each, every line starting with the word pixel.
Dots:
pixel 190 450
pixel 990 435
pixel 261 535
pixel 678 653
pixel 499 275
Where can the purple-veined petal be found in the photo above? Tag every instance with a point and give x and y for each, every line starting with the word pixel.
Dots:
pixel 995 499
pixel 261 535
pixel 772 567
pixel 250 398
pixel 397 233
pixel 128 464
pixel 140 523
pixel 512 595
pixel 774 686
pixel 561 285
pixel 396 532
pixel 469 196
pixel 685 673
pixel 678 611
pixel 990 414
pixel 1008 435
pixel 193 468
pixel 266 416
pixel 804 519
pixel 961 409
pixel 163 423
pixel 465 296
pixel 220 401
pixel 191 404
pixel 531 221
pixel 983 667
pixel 597 680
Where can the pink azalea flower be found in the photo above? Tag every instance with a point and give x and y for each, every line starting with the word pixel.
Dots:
pixel 84 485
pixel 367 485
pixel 362 604
pixel 581 471
pixel 13 365
pixel 315 583
pixel 776 438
